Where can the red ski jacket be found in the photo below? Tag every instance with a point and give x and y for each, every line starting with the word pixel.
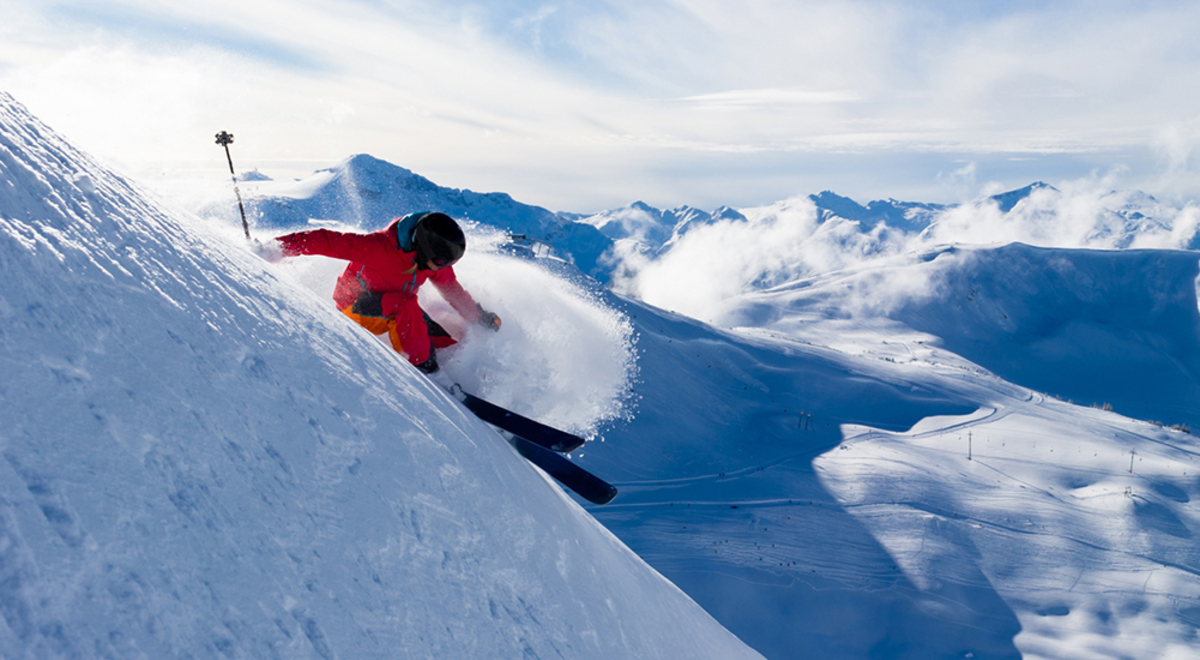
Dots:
pixel 378 265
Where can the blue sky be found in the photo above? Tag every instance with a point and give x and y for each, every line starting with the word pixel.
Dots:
pixel 582 106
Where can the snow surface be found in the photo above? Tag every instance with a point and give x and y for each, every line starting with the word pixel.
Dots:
pixel 874 453
pixel 202 459
pixel 812 489
pixel 874 460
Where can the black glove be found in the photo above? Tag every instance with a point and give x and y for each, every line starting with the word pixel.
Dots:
pixel 368 304
pixel 488 319
pixel 429 366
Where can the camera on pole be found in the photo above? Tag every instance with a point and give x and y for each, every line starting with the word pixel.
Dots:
pixel 225 139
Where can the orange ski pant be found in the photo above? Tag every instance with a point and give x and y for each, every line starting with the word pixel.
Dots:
pixel 411 332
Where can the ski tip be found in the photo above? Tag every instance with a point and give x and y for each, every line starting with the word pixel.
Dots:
pixel 566 447
pixel 606 497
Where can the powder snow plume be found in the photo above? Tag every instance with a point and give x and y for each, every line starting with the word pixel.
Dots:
pixel 563 356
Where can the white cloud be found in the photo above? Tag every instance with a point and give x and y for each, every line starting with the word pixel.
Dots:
pixel 709 266
pixel 534 22
pixel 751 98
pixel 960 182
pixel 579 105
pixel 712 271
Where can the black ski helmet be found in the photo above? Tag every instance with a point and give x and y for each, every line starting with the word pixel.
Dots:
pixel 438 239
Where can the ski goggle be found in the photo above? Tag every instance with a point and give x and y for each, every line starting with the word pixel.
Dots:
pixel 436 249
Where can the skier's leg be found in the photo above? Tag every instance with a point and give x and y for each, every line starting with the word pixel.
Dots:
pixel 376 325
pixel 438 336
pixel 412 332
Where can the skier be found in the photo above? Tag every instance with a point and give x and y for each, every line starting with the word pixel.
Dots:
pixel 378 289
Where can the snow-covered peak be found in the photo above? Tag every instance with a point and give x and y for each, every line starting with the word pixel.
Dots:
pixel 364 192
pixel 837 205
pixel 645 229
pixel 904 216
pixel 1007 200
pixel 200 458
pixel 639 222
pixel 372 175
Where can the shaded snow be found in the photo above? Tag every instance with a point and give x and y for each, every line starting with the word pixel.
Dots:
pixel 809 483
pixel 1097 327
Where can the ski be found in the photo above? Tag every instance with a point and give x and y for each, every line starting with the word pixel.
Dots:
pixel 544 449
pixel 584 483
pixel 535 432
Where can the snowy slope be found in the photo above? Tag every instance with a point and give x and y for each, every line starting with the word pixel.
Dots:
pixel 808 483
pixel 1097 327
pixel 869 461
pixel 201 459
pixel 719 492
pixel 800 475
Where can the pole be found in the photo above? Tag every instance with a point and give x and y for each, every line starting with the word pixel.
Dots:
pixel 225 139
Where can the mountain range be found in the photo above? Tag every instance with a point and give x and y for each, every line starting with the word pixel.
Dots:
pixel 366 193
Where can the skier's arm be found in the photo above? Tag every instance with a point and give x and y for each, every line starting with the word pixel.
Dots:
pixel 326 243
pixel 454 293
pixel 462 302
pixel 449 287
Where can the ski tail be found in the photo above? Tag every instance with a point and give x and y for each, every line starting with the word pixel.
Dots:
pixel 587 485
pixel 539 444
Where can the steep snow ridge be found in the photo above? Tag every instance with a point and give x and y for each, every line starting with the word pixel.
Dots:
pixel 202 460
pixel 1007 200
